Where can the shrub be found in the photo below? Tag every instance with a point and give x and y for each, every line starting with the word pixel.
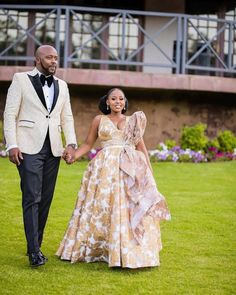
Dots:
pixel 170 143
pixel 214 143
pixel 193 137
pixel 227 141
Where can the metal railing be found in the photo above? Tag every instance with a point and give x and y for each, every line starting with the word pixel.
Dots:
pixel 102 38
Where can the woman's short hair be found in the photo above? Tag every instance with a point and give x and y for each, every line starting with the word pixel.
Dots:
pixel 103 102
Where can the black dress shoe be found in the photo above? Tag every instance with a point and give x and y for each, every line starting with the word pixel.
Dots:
pixel 35 259
pixel 44 258
pixel 41 255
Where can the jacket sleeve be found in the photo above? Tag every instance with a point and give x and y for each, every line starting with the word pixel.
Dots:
pixel 67 120
pixel 13 102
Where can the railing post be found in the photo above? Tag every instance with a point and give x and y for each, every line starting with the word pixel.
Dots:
pixel 230 49
pixel 184 45
pixel 220 39
pixel 178 45
pixel 57 33
pixel 123 37
pixel 67 24
pixel 30 43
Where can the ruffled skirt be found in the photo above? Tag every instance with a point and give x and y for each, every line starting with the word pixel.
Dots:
pixel 117 213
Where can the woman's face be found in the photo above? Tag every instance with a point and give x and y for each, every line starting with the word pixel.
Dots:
pixel 116 101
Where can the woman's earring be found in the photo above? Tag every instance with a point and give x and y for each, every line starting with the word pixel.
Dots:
pixel 124 108
pixel 107 107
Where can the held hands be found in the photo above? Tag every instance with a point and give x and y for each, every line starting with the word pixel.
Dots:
pixel 69 155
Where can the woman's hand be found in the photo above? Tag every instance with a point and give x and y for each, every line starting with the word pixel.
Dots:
pixel 69 155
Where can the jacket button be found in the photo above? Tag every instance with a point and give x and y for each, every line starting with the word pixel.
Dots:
pixel 46 116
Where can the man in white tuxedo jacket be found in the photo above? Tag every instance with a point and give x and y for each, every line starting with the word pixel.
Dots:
pixel 37 110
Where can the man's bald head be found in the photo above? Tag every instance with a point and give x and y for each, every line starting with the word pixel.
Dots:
pixel 46 59
pixel 44 49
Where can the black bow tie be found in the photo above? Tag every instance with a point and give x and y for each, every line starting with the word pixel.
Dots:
pixel 49 80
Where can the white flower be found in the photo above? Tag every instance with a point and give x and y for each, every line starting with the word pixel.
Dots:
pixel 163 146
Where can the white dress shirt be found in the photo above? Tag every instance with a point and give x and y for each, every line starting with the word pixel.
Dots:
pixel 48 94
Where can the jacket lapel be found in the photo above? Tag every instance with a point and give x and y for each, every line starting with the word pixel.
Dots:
pixel 38 88
pixel 56 93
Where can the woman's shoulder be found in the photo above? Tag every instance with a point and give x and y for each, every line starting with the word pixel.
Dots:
pixel 96 120
pixel 98 117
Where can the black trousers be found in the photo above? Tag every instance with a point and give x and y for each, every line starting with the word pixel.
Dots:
pixel 38 175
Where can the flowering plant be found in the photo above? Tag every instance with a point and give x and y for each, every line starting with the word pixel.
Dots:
pixel 196 147
pixel 215 154
pixel 176 154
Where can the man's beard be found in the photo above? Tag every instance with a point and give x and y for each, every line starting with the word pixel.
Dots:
pixel 46 70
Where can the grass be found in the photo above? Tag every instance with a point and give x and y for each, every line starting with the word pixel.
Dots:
pixel 199 243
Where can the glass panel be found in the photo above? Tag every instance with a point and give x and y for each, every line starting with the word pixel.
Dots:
pixel 220 43
pixel 14 28
pixel 130 41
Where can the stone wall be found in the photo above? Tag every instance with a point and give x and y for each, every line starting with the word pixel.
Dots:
pixel 167 111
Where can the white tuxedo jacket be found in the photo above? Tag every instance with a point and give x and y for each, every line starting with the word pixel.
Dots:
pixel 27 120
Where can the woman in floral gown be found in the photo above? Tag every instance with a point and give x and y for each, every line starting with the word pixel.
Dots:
pixel 118 210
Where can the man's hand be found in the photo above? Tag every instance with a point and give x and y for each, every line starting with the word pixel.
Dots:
pixel 68 155
pixel 15 156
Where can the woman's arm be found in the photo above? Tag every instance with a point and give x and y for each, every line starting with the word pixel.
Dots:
pixel 89 142
pixel 142 148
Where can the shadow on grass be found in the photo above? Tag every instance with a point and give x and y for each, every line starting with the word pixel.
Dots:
pixel 103 267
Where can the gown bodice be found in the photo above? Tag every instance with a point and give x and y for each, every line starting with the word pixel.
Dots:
pixel 111 135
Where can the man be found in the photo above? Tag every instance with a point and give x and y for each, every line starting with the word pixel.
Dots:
pixel 37 111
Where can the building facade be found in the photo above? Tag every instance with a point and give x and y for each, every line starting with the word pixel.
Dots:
pixel 175 60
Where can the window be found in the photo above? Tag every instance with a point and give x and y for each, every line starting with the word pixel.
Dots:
pixel 22 32
pixel 97 41
pixel 218 33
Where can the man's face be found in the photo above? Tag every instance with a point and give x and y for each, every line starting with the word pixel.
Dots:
pixel 46 60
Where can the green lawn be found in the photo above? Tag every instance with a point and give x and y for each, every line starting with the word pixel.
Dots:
pixel 199 243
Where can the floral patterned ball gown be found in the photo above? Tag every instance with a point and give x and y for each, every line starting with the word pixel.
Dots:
pixel 117 213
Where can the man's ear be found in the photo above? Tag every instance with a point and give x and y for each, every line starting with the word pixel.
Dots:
pixel 37 60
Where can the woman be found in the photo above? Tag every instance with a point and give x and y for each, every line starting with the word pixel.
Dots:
pixel 117 213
